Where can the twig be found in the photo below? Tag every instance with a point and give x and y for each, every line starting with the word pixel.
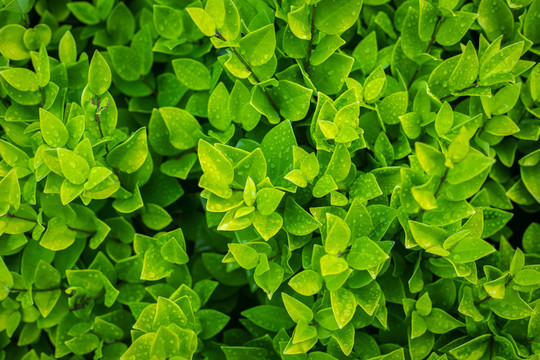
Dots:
pixel 489 296
pixel 248 68
pixel 308 67
pixel 34 290
pixel 147 84
pixel 459 91
pixel 431 42
pixel 85 302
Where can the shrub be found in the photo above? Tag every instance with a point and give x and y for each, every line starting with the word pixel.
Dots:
pixel 256 179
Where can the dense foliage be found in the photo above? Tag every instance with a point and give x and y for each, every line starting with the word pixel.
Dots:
pixel 270 179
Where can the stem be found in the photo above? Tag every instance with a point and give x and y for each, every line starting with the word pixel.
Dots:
pixel 459 91
pixel 148 85
pixel 248 68
pixel 84 303
pixel 34 290
pixel 189 151
pixel 431 42
pixel 525 112
pixel 489 296
pixel 308 67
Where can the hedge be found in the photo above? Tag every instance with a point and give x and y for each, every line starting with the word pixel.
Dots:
pixel 264 179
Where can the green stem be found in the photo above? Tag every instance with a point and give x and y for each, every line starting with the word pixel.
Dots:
pixel 308 67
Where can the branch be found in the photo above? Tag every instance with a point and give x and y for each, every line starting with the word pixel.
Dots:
pixel 459 91
pixel 248 68
pixel 431 42
pixel 308 67
pixel 147 84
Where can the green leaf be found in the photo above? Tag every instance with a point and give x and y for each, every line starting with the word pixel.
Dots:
pixel 498 65
pixel 168 22
pixel 126 61
pixel 297 310
pixel 74 167
pixel 365 53
pixel 470 249
pixel 527 277
pixel 338 234
pixel 21 79
pixel 453 28
pixel 269 317
pixel 58 235
pixel 53 130
pixel 368 297
pixel 511 307
pixel 131 154
pixel 120 24
pixel 258 46
pixel 374 85
pixel 299 22
pixel 365 187
pixel 212 322
pixel 6 280
pixel 267 225
pixel 332 265
pixel 296 220
pixel 466 71
pixel 530 245
pixel 495 23
pixel 365 254
pixel 67 49
pixel 392 107
pixel 431 159
pixel 340 163
pixel 218 111
pixel 244 255
pixel 277 147
pixel 325 48
pixel 448 212
pixel 12 42
pixel 84 12
pixel 330 75
pixel 293 100
pixel 99 74
pixel 473 164
pixel 501 125
pixel 203 20
pixel 184 129
pixel 269 280
pixel 440 322
pixel 473 349
pixel 306 282
pixel 192 74
pixel 529 175
pixel 343 306
pixel 218 170
pixel 83 344
pixel 334 17
pixel 155 217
